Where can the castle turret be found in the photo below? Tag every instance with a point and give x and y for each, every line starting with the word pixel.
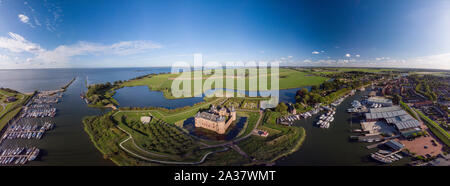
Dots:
pixel 233 113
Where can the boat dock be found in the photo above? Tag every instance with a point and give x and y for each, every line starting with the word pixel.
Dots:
pixel 376 145
pixel 27 131
pixel 42 105
pixel 19 155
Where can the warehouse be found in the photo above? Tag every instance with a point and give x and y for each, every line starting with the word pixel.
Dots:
pixel 403 122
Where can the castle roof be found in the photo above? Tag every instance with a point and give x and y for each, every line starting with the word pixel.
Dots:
pixel 210 116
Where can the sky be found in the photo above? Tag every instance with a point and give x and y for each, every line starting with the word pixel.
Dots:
pixel 146 33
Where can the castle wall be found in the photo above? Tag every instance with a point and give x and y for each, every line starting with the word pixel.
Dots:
pixel 218 127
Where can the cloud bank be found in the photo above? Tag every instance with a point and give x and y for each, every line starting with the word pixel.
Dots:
pixel 16 44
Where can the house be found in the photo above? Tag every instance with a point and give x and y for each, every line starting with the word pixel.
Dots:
pixel 10 99
pixel 146 119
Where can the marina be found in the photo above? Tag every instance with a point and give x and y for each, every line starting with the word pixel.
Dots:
pixel 326 119
pixel 19 155
pixel 42 104
pixel 27 131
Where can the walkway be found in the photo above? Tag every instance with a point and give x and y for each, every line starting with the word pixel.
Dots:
pixel 162 161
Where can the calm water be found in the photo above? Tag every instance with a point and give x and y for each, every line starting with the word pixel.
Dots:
pixel 232 132
pixel 332 146
pixel 68 144
pixel 142 96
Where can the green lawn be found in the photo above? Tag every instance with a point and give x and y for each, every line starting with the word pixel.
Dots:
pixel 288 79
pixel 252 118
pixel 184 114
pixel 9 110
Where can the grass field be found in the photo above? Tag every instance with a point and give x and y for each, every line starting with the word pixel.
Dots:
pixel 282 140
pixel 370 70
pixel 184 114
pixel 288 78
pixel 252 119
pixel 9 110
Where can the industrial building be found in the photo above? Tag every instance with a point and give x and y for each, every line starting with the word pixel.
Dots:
pixel 380 100
pixel 396 116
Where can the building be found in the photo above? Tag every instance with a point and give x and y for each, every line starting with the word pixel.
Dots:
pixel 396 116
pixel 380 100
pixel 10 99
pixel 291 109
pixel 217 120
pixel 394 145
pixel 423 103
pixel 146 119
pixel 441 160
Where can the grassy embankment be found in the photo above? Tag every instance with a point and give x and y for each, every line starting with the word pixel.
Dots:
pixel 156 140
pixel 282 140
pixel 252 118
pixel 408 109
pixel 10 110
pixel 161 143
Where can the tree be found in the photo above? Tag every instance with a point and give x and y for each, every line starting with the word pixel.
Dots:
pixel 281 107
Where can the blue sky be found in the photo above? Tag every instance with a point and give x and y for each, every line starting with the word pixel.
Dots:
pixel 82 33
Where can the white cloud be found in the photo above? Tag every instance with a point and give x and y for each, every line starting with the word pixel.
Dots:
pixel 62 54
pixel 348 55
pixel 315 52
pixel 438 61
pixel 16 43
pixel 36 21
pixel 23 18
pixel 133 47
pixel 357 55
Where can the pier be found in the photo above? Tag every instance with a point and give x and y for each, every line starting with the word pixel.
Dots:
pixel 19 155
pixel 26 131
pixel 376 145
pixel 64 88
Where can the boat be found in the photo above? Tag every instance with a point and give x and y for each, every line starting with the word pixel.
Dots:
pixel 398 156
pixel 34 154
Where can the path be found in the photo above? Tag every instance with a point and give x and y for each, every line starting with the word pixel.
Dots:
pixel 162 161
pixel 226 145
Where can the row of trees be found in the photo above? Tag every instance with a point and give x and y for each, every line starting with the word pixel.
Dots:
pixel 331 90
pixel 160 137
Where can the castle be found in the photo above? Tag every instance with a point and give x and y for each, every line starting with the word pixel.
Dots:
pixel 215 119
